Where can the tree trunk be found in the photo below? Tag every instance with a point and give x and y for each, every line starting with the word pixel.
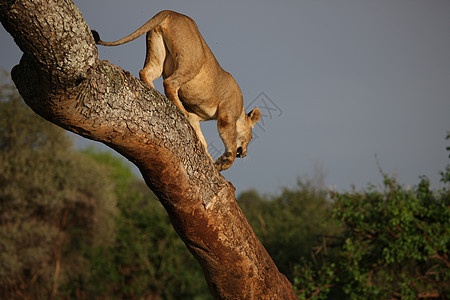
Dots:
pixel 61 78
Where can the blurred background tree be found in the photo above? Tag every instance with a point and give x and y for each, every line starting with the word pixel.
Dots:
pixel 80 224
pixel 54 204
pixel 147 259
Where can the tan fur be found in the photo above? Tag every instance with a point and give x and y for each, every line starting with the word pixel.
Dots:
pixel 194 81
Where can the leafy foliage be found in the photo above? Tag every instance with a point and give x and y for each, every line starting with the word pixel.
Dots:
pixel 394 245
pixel 291 224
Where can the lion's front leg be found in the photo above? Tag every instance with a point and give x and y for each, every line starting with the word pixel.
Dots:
pixel 227 131
pixel 194 120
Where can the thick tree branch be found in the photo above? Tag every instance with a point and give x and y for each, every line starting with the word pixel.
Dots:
pixel 61 78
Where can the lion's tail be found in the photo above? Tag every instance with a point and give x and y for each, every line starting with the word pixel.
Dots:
pixel 152 23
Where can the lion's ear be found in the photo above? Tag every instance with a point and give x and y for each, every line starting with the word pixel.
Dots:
pixel 254 116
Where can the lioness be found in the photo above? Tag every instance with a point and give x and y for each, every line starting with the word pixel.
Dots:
pixel 194 81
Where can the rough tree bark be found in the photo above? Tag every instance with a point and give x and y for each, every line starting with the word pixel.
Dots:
pixel 61 78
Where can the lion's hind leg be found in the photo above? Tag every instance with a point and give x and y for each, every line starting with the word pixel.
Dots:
pixel 173 83
pixel 155 56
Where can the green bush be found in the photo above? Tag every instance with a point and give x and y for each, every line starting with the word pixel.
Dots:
pixel 291 224
pixel 394 245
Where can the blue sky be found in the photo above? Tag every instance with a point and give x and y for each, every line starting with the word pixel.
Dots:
pixel 337 81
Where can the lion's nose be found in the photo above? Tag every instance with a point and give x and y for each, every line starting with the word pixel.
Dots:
pixel 239 152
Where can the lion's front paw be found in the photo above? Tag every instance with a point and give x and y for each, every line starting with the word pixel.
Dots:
pixel 225 161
